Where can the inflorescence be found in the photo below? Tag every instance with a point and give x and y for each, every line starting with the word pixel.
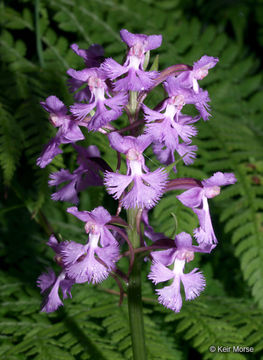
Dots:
pixel 103 90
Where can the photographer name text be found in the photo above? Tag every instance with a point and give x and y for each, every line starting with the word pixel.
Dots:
pixel 234 349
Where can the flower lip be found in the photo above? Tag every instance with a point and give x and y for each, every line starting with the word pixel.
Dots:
pixel 212 191
pixel 134 62
pixel 81 258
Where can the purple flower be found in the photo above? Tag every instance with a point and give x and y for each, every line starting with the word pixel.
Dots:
pixel 137 79
pixel 56 109
pixel 79 95
pixel 148 229
pixel 49 280
pixel 140 43
pixel 166 155
pixel 55 245
pixel 147 187
pixel 49 152
pixel 91 262
pixel 107 109
pixel 179 96
pixel 171 130
pixel 68 192
pixel 199 71
pixel 193 282
pixel 95 223
pixel 93 57
pixel 166 128
pixel 197 199
pixel 87 174
pixel 69 131
pixel 187 152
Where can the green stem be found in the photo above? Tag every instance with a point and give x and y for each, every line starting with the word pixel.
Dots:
pixel 135 295
pixel 38 35
pixel 132 105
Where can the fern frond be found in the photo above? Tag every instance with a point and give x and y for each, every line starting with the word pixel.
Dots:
pixel 163 220
pixel 10 144
pixel 12 19
pixel 216 321
pixel 14 53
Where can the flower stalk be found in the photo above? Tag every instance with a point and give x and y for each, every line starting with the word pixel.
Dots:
pixel 134 294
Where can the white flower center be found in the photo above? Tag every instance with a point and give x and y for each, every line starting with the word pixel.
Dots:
pixel 186 255
pixel 135 161
pixel 201 73
pixel 137 50
pixel 55 120
pixel 95 82
pixel 212 191
pixel 91 227
pixel 133 154
pixel 134 62
pixel 136 167
pixel 93 240
pixel 170 111
pixel 178 266
pixel 178 101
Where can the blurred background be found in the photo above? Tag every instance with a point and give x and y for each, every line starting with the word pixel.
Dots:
pixel 35 53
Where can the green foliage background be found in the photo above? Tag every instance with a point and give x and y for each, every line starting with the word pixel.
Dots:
pixel 91 325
